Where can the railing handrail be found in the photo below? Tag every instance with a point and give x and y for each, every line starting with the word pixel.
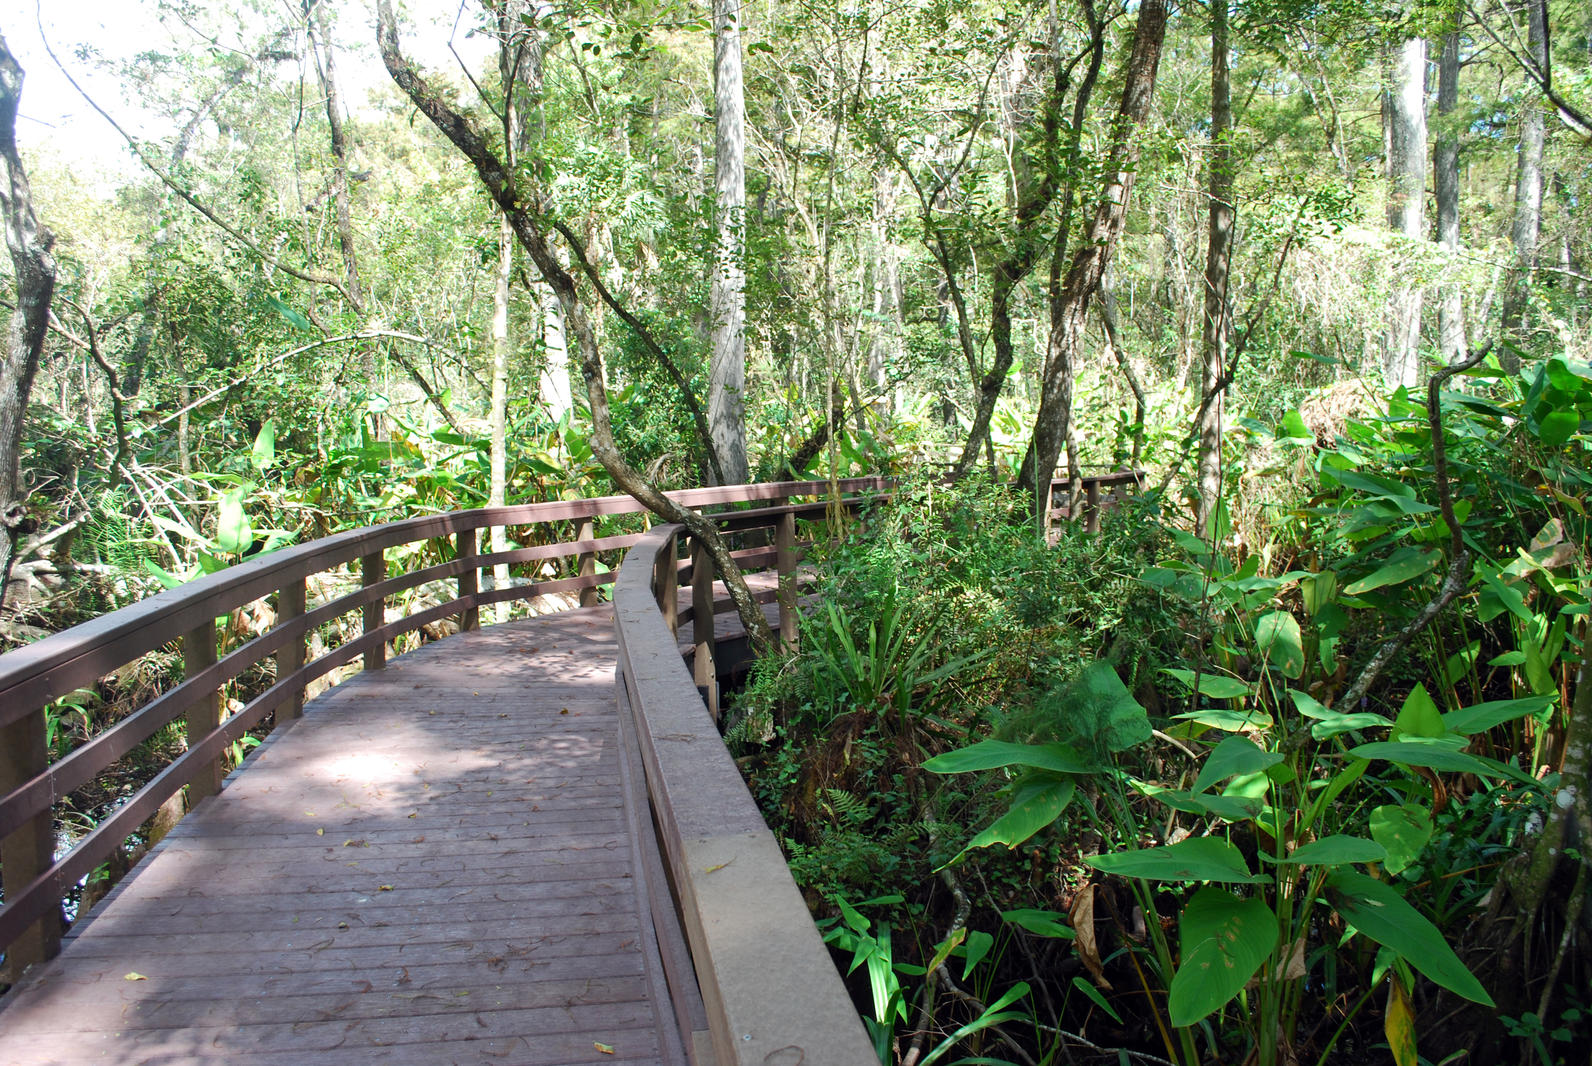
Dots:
pixel 162 618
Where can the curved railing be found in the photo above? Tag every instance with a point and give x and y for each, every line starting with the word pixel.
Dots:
pixel 35 881
pixel 767 986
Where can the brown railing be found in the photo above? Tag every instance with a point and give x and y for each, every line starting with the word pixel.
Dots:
pixel 765 978
pixel 35 881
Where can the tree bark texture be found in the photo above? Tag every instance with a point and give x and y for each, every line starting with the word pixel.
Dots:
pixel 1527 228
pixel 1070 305
pixel 499 182
pixel 1445 162
pixel 1217 324
pixel 1404 112
pixel 34 268
pixel 727 289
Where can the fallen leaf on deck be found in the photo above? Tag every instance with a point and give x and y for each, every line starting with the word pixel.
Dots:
pixel 135 976
pixel 606 1049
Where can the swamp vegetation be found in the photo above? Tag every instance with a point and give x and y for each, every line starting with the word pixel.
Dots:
pixel 1287 763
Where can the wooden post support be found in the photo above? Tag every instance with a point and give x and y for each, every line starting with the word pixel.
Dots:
pixel 707 676
pixel 785 546
pixel 1091 506
pixel 30 850
pixel 373 570
pixel 586 530
pixel 290 605
pixel 204 714
pixel 466 547
pixel 666 582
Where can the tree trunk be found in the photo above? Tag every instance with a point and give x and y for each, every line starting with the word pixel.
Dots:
pixel 1527 227
pixel 500 183
pixel 1404 112
pixel 727 295
pixel 34 284
pixel 1217 324
pixel 1010 271
pixel 1069 305
pixel 1445 161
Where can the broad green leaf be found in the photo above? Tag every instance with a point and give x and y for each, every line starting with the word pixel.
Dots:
pixel 1225 940
pixel 1418 717
pixel 1403 830
pixel 993 754
pixel 1330 723
pixel 1512 599
pixel 1233 756
pixel 233 533
pixel 1038 801
pixel 1337 851
pixel 1292 427
pixel 298 321
pixel 1407 563
pixel 1318 590
pixel 1195 859
pixel 1277 635
pixel 1216 686
pixel 1039 922
pixel 978 946
pixel 1227 720
pixel 1434 757
pixel 1557 427
pixel 1099 712
pixel 1484 716
pixel 263 454
pixel 162 575
pixel 1231 808
pixel 1377 910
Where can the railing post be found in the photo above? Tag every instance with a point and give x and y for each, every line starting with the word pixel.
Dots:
pixel 289 606
pixel 30 850
pixel 666 581
pixel 785 560
pixel 204 714
pixel 466 547
pixel 706 670
pixel 1091 506
pixel 586 530
pixel 373 570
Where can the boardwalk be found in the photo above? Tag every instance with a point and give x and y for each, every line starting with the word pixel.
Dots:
pixel 435 865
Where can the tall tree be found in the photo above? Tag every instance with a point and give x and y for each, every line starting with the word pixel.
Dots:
pixel 1218 263
pixel 1404 121
pixel 1069 304
pixel 34 284
pixel 1527 228
pixel 1445 162
pixel 727 295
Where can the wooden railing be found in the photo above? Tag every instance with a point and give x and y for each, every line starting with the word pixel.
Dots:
pixel 765 978
pixel 35 881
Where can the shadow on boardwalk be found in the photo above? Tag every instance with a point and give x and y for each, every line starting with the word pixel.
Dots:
pixel 435 865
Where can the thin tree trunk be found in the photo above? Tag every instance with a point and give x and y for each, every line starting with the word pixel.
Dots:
pixel 1069 305
pixel 1445 162
pixel 33 284
pixel 1111 319
pixel 1404 111
pixel 727 296
pixel 1217 325
pixel 500 183
pixel 1527 227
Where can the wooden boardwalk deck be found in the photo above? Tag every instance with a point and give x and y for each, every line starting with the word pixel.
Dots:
pixel 435 865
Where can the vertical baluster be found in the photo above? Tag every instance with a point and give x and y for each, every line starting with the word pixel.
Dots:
pixel 586 530
pixel 666 582
pixel 702 575
pixel 289 606
pixel 29 851
pixel 466 547
pixel 204 714
pixel 373 570
pixel 1091 507
pixel 785 560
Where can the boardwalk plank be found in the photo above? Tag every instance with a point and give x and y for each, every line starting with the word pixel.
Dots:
pixel 433 865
